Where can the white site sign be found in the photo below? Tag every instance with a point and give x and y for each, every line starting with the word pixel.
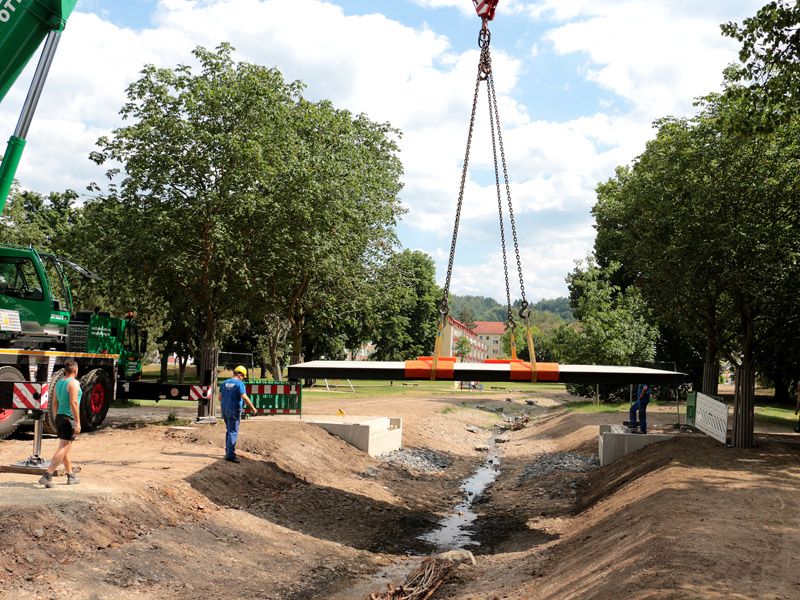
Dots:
pixel 712 418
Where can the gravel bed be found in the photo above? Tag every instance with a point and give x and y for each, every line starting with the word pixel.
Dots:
pixel 421 459
pixel 559 461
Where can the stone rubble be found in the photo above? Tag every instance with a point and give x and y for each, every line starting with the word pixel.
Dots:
pixel 560 461
pixel 419 459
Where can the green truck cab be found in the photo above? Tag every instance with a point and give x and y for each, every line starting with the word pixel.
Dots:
pixel 35 299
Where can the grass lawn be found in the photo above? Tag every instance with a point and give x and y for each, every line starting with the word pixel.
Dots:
pixel 777 415
pixel 371 388
pixel 364 388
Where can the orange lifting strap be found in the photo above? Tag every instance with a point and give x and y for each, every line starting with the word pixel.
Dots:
pixel 423 368
pixel 523 371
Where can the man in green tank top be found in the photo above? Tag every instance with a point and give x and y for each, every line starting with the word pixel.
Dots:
pixel 66 398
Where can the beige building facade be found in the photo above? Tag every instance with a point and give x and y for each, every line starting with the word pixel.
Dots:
pixel 490 333
pixel 453 331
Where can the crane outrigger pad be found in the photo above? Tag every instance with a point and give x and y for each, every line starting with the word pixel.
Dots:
pixel 502 372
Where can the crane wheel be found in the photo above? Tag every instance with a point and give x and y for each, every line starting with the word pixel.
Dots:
pixel 10 419
pixel 49 424
pixel 97 396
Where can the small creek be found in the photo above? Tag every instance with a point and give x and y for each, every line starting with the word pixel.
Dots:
pixel 453 532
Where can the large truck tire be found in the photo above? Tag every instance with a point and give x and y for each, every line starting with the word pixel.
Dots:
pixel 96 398
pixel 10 419
pixel 50 416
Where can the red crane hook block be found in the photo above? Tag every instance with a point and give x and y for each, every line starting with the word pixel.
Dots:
pixel 485 8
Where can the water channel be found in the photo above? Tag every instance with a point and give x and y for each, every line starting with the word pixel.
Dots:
pixel 453 532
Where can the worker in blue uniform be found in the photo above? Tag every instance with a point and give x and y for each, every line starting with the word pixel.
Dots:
pixel 232 396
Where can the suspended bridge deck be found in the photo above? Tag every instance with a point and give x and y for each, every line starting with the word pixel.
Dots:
pixel 502 371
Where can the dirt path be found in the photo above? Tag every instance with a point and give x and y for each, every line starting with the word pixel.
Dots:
pixel 160 515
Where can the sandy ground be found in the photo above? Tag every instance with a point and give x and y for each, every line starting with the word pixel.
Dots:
pixel 160 515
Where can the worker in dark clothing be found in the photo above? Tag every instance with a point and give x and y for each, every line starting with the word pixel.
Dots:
pixel 232 398
pixel 640 406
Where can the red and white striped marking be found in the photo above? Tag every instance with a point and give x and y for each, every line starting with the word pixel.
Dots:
pixel 282 389
pixel 485 8
pixel 196 392
pixel 24 396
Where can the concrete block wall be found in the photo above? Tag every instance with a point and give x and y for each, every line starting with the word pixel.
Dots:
pixel 375 436
pixel 615 442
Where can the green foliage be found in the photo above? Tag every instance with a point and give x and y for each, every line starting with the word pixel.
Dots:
pixel 463 348
pixel 542 344
pixel 243 207
pixel 615 325
pixel 520 341
pixel 465 316
pixel 707 226
pixel 489 309
pixel 403 312
pixel 770 65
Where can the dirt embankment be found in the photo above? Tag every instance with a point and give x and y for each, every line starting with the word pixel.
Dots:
pixel 160 515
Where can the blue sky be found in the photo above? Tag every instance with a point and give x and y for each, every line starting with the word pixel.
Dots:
pixel 579 83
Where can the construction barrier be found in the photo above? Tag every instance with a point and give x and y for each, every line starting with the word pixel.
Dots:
pixel 691 408
pixel 275 397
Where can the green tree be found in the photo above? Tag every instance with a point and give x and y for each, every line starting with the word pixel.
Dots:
pixel 615 326
pixel 243 204
pixel 463 348
pixel 706 226
pixel 770 62
pixel 465 316
pixel 403 318
pixel 181 220
pixel 335 212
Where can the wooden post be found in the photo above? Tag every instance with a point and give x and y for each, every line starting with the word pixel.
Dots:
pixel 743 408
pixel 209 361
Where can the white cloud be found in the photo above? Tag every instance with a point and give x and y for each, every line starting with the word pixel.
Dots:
pixel 463 6
pixel 655 57
pixel 658 55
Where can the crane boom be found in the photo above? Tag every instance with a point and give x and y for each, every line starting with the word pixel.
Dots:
pixel 23 26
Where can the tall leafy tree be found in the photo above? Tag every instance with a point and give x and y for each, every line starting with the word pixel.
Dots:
pixel 193 156
pixel 465 316
pixel 615 325
pixel 706 226
pixel 405 317
pixel 770 60
pixel 335 208
pixel 242 203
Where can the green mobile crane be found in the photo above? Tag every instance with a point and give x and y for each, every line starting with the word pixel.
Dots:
pixel 38 330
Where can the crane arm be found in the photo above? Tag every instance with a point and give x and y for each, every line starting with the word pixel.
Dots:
pixel 23 26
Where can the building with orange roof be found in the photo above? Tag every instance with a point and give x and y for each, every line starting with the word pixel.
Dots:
pixel 453 331
pixel 491 333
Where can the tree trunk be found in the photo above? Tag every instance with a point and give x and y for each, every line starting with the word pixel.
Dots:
pixel 208 367
pixel 297 346
pixel 782 391
pixel 165 362
pixel 182 360
pixel 274 365
pixel 297 321
pixel 710 385
pixel 743 408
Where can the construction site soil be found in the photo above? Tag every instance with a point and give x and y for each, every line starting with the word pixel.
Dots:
pixel 159 514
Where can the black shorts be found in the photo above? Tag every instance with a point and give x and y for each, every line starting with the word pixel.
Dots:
pixel 65 427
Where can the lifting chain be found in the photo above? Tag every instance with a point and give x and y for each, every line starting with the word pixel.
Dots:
pixel 485 74
pixel 484 69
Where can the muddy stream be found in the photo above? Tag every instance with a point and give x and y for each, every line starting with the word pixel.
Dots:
pixel 453 532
